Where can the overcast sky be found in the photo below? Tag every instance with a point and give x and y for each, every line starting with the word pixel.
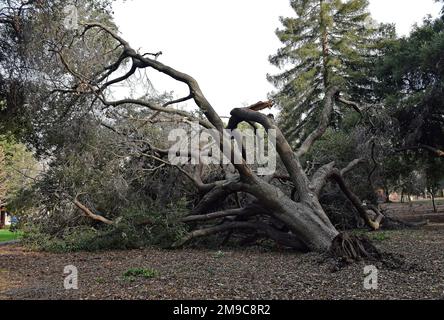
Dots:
pixel 225 44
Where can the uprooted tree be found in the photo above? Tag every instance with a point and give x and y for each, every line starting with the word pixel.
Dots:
pixel 297 220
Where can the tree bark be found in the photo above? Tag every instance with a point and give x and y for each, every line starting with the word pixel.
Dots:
pixel 90 214
pixel 435 209
pixel 374 224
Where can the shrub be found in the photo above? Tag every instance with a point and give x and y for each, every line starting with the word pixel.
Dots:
pixel 137 227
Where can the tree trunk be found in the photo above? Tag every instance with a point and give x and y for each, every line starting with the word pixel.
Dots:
pixel 308 223
pixel 435 209
pixel 2 219
pixel 305 219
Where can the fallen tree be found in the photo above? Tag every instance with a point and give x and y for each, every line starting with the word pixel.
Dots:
pixel 297 220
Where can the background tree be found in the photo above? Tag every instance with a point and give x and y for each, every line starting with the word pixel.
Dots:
pixel 17 168
pixel 30 68
pixel 327 43
pixel 411 86
pixel 434 173
pixel 411 83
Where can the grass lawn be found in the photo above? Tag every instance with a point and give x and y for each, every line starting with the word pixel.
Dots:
pixel 6 235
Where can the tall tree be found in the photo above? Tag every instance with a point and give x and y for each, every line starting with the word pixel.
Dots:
pixel 329 42
pixel 412 86
pixel 32 33
pixel 17 166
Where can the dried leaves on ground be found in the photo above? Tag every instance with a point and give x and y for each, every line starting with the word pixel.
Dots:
pixel 226 274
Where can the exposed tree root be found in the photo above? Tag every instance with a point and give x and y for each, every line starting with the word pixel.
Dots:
pixel 353 248
pixel 347 249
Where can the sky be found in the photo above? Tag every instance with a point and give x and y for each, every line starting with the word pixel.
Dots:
pixel 225 44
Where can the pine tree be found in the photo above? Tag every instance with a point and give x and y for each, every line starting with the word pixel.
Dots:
pixel 329 42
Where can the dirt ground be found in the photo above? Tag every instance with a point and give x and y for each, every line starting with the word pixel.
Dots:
pixel 417 211
pixel 227 274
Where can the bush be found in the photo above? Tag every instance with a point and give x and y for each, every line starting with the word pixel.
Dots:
pixel 136 228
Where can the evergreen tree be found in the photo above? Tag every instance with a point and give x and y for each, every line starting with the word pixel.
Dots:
pixel 412 85
pixel 329 42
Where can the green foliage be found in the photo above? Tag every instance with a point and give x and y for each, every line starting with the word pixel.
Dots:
pixel 333 146
pixel 134 273
pixel 138 227
pixel 30 66
pixel 379 236
pixel 412 83
pixel 17 168
pixel 412 86
pixel 328 43
pixel 219 254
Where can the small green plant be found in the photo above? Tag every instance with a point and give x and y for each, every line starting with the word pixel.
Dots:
pixel 100 280
pixel 211 271
pixel 219 254
pixel 134 273
pixel 380 236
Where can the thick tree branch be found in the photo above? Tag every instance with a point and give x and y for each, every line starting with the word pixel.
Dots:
pixel 323 123
pixel 90 214
pixel 247 211
pixel 282 238
pixel 373 224
pixel 195 91
pixel 323 174
pixel 288 157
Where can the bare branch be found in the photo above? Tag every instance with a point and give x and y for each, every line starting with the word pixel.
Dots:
pixel 283 238
pixel 356 107
pixel 91 25
pixel 216 215
pixel 156 107
pixel 321 176
pixel 90 214
pixel 433 150
pixel 373 224
pixel 189 97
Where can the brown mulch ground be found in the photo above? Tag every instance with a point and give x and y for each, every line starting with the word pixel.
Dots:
pixel 244 274
pixel 416 211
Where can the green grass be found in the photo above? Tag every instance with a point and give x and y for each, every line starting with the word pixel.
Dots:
pixel 132 274
pixel 219 254
pixel 6 235
pixel 372 235
pixel 379 236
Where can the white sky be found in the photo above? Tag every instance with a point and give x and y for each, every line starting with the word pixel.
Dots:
pixel 225 44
